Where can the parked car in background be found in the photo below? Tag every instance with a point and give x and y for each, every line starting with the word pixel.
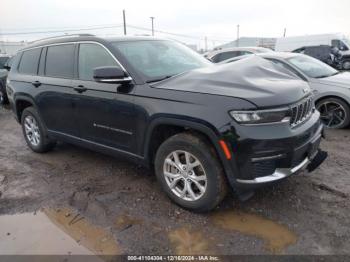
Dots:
pixel 4 59
pixel 318 46
pixel 224 54
pixel 158 103
pixel 331 87
pixel 327 54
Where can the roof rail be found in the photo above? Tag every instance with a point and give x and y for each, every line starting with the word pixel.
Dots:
pixel 61 36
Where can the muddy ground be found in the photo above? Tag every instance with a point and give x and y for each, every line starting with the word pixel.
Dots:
pixel 97 198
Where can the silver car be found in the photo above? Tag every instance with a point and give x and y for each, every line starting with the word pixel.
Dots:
pixel 331 87
pixel 224 54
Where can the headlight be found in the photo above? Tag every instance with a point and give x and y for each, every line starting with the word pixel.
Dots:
pixel 260 116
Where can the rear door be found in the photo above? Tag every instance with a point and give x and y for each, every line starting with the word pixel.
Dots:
pixel 55 100
pixel 105 112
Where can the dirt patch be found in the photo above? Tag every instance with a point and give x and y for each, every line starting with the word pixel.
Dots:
pixel 276 236
pixel 188 242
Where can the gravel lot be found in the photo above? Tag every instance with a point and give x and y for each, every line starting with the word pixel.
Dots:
pixel 112 206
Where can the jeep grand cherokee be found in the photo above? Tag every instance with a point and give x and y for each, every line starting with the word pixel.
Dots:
pixel 156 102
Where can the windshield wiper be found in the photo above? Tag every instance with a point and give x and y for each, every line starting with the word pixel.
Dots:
pixel 159 79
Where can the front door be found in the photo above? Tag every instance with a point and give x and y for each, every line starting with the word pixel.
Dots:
pixel 105 116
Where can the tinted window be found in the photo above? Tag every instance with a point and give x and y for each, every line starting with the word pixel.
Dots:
pixel 60 61
pixel 224 56
pixel 29 62
pixel 91 56
pixel 3 60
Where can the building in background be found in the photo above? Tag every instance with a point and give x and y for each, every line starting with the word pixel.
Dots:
pixel 250 42
pixel 11 48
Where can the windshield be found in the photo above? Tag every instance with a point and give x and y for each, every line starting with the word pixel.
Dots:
pixel 346 41
pixel 159 59
pixel 312 67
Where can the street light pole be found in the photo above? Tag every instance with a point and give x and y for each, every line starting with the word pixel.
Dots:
pixel 238 35
pixel 124 22
pixel 152 18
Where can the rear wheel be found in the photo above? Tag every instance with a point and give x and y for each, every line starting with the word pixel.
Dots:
pixel 190 173
pixel 335 113
pixel 34 131
pixel 3 96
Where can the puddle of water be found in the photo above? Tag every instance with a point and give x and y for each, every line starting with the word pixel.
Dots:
pixel 28 233
pixel 187 242
pixel 96 239
pixel 276 236
pixel 125 221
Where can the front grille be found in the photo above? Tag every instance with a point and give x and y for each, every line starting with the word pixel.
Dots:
pixel 301 111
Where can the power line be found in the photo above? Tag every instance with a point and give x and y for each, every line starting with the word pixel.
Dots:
pixel 108 27
pixel 60 30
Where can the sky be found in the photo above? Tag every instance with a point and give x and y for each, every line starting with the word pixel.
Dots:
pixel 217 20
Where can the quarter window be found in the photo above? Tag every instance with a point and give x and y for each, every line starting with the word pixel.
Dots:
pixel 60 61
pixel 90 57
pixel 29 62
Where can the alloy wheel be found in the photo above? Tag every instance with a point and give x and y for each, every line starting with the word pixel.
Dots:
pixel 32 130
pixel 333 114
pixel 346 65
pixel 185 175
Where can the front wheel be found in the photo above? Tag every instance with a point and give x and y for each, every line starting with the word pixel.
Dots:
pixel 335 113
pixel 189 172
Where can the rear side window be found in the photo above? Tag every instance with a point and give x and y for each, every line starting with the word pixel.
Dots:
pixel 90 57
pixel 30 61
pixel 60 61
pixel 226 55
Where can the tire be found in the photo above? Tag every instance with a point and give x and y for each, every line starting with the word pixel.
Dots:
pixel 344 112
pixel 3 95
pixel 32 124
pixel 346 65
pixel 197 148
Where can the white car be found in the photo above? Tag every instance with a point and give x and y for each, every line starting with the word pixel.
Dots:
pixel 227 53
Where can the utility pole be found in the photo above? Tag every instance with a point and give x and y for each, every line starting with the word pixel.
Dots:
pixel 124 23
pixel 238 35
pixel 206 44
pixel 285 31
pixel 152 18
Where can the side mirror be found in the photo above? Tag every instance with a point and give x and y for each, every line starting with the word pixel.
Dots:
pixel 111 74
pixel 7 67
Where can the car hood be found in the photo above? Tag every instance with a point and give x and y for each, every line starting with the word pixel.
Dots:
pixel 254 79
pixel 342 80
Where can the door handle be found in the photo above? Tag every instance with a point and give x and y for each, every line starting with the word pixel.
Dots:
pixel 80 88
pixel 36 83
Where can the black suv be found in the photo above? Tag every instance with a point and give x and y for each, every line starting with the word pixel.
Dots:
pixel 156 102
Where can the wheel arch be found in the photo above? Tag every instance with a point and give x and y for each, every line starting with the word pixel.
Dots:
pixel 21 102
pixel 191 125
pixel 332 95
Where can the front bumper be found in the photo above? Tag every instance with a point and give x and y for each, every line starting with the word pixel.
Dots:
pixel 269 154
pixel 279 174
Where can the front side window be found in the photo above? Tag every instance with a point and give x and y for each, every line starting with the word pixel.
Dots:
pixel 157 59
pixel 60 61
pixel 312 67
pixel 30 62
pixel 90 57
